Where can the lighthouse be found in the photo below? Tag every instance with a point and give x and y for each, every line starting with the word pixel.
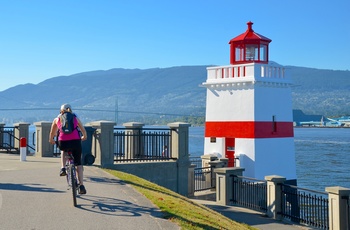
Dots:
pixel 249 117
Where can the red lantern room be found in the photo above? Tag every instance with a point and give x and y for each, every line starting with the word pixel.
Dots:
pixel 249 47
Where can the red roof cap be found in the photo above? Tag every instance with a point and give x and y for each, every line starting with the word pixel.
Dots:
pixel 249 35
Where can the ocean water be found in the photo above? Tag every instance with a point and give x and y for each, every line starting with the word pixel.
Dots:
pixel 322 155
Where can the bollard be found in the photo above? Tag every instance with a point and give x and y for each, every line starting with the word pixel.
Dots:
pixel 23 149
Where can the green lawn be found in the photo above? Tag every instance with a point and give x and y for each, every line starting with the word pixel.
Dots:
pixel 179 209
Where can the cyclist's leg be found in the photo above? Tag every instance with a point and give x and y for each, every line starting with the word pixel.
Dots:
pixel 63 158
pixel 80 171
pixel 77 160
pixel 62 146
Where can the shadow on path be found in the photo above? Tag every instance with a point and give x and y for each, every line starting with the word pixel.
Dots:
pixel 28 187
pixel 116 207
pixel 103 180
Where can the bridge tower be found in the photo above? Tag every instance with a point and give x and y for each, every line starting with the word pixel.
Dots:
pixel 249 116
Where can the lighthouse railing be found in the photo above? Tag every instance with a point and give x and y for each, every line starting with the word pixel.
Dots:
pixel 248 72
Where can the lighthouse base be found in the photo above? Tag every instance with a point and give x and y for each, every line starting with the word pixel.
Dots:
pixel 266 156
pixel 259 157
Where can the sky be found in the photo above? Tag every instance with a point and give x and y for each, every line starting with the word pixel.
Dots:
pixel 43 39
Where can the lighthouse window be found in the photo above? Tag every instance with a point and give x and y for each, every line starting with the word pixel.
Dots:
pixel 274 127
pixel 263 53
pixel 239 53
pixel 251 52
pixel 213 140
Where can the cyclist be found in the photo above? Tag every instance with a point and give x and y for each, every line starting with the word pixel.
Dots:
pixel 71 141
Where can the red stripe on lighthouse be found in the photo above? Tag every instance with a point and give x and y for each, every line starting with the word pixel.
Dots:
pixel 248 129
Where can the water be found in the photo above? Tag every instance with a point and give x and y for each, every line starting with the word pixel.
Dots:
pixel 322 155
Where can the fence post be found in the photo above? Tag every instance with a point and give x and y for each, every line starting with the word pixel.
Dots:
pixel 338 198
pixel 43 148
pixel 274 196
pixel 21 130
pixel 214 165
pixel 2 125
pixel 133 131
pixel 180 150
pixel 224 183
pixel 103 142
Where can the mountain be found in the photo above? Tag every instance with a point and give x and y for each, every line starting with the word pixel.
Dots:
pixel 156 94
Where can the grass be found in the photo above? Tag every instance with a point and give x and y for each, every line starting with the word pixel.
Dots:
pixel 179 209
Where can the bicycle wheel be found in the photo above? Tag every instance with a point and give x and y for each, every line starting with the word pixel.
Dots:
pixel 74 184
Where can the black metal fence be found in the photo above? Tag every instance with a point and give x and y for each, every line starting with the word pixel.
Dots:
pixel 138 145
pixel 305 206
pixel 7 140
pixel 203 179
pixel 250 193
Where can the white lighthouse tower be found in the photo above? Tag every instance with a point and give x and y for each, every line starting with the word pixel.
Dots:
pixel 249 110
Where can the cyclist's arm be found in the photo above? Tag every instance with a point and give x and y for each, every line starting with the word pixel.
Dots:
pixel 53 131
pixel 82 129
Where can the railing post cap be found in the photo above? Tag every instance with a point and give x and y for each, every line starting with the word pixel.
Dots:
pixel 99 123
pixel 133 124
pixel 338 190
pixel 275 178
pixel 21 123
pixel 230 170
pixel 179 124
pixel 40 123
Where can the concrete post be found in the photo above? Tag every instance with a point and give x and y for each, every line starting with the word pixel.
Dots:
pixel 2 125
pixel 338 198
pixel 103 142
pixel 21 130
pixel 208 158
pixel 180 150
pixel 224 184
pixel 133 131
pixel 211 179
pixel 43 148
pixel 274 199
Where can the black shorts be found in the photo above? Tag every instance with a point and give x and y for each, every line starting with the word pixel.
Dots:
pixel 73 146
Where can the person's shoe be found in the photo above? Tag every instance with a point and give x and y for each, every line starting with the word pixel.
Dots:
pixel 63 172
pixel 82 189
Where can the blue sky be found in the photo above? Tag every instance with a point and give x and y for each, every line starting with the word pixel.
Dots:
pixel 42 39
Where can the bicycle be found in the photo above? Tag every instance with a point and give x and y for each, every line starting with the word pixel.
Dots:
pixel 72 176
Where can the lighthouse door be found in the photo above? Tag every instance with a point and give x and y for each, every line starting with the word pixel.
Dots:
pixel 230 151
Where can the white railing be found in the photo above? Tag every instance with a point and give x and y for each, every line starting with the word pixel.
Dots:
pixel 248 72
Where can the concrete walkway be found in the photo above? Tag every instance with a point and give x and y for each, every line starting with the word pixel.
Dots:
pixel 33 196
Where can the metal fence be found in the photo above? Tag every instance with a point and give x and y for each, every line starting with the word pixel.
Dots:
pixel 305 206
pixel 250 193
pixel 203 179
pixel 7 140
pixel 139 145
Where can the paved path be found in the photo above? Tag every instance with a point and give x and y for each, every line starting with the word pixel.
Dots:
pixel 33 196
